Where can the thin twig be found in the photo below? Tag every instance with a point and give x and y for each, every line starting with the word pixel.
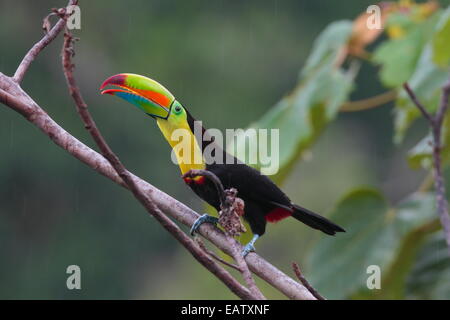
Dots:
pixel 39 46
pixel 369 103
pixel 169 225
pixel 435 122
pixel 305 282
pixel 246 274
pixel 215 256
pixel 418 104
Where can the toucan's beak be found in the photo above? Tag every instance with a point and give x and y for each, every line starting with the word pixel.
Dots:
pixel 145 93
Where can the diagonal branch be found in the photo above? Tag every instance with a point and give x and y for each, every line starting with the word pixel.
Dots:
pixel 150 206
pixel 12 96
pixel 33 113
pixel 418 104
pixel 215 256
pixel 435 121
pixel 305 282
pixel 369 103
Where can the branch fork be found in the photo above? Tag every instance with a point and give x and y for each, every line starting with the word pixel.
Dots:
pixel 154 200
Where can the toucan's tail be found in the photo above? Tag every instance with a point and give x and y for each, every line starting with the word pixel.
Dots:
pixel 315 221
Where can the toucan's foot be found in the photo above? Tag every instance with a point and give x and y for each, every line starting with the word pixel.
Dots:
pixel 249 247
pixel 202 219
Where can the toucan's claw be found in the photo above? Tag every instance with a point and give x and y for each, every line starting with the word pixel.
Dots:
pixel 249 247
pixel 202 219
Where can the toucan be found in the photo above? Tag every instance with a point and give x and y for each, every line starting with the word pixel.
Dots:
pixel 264 201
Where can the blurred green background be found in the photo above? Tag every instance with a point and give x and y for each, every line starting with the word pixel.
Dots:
pixel 229 62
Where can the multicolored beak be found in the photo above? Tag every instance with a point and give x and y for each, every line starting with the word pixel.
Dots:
pixel 145 93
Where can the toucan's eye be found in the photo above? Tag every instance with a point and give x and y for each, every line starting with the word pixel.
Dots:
pixel 177 109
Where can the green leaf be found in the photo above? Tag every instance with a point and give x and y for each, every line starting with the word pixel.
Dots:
pixel 411 59
pixel 394 282
pixel 338 265
pixel 327 45
pixel 430 276
pixel 374 236
pixel 426 82
pixel 415 221
pixel 301 116
pixel 441 40
pixel 402 20
pixel 398 56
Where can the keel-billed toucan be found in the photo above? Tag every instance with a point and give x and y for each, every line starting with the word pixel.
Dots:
pixel 264 201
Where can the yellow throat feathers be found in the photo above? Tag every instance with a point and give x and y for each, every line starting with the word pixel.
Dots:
pixel 184 145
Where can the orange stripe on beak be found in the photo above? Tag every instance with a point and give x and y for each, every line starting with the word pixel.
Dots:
pixel 154 96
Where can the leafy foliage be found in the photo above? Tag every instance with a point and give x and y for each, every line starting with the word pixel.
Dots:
pixel 441 44
pixel 427 75
pixel 302 115
pixel 431 75
pixel 397 239
pixel 375 235
pixel 430 274
pixel 389 236
pixel 426 81
pixel 398 56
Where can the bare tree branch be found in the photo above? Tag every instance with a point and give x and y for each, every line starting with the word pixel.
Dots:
pixel 16 99
pixel 369 103
pixel 435 122
pixel 12 96
pixel 39 46
pixel 305 282
pixel 169 225
pixel 215 256
pixel 418 104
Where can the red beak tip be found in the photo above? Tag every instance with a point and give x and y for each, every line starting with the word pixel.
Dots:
pixel 118 79
pixel 108 91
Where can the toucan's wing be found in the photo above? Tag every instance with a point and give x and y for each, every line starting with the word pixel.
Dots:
pixel 251 184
